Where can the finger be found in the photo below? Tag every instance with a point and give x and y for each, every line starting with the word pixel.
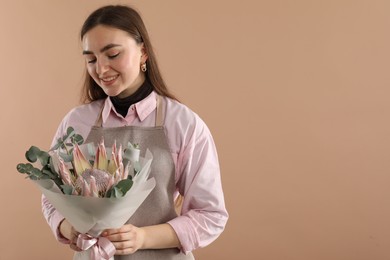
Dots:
pixel 125 248
pixel 122 245
pixel 123 229
pixel 118 237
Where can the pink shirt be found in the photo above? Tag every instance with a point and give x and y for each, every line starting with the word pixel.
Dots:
pixel 204 215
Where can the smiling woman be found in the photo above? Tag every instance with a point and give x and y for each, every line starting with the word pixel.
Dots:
pixel 126 100
pixel 113 60
pixel 126 34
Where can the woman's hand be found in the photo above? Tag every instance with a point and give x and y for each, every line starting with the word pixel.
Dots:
pixel 127 239
pixel 68 231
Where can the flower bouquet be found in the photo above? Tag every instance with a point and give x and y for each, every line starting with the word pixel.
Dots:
pixel 93 192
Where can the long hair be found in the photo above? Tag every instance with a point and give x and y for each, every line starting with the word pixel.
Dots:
pixel 127 19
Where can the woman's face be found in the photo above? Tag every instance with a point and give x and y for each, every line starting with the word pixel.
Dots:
pixel 113 60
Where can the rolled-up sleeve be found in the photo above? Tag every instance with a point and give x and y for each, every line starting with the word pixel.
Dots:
pixel 53 218
pixel 204 215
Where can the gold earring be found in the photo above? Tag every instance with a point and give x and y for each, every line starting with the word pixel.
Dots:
pixel 143 67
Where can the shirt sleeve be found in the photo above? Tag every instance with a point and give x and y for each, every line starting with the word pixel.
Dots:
pixel 203 216
pixel 54 219
pixel 52 216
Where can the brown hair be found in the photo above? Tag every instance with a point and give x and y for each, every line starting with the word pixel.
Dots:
pixel 127 19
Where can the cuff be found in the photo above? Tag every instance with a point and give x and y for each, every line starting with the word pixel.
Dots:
pixel 57 218
pixel 186 233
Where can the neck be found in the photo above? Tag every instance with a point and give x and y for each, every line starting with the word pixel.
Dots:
pixel 122 105
pixel 131 90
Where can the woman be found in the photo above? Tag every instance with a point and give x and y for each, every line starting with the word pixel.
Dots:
pixel 125 100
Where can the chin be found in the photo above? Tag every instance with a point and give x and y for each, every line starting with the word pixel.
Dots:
pixel 112 93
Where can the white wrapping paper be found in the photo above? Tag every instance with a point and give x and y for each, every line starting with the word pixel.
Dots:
pixel 90 215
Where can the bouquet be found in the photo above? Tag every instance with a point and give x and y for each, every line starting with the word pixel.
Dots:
pixel 91 190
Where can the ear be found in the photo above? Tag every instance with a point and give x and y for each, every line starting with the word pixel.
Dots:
pixel 144 54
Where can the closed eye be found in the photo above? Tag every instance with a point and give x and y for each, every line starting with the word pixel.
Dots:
pixel 113 56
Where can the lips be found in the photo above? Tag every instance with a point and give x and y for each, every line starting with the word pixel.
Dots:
pixel 109 79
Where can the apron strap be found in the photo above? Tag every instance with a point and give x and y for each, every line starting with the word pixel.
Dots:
pixel 159 113
pixel 99 120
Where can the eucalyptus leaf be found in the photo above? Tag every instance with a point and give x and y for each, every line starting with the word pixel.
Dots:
pixel 57 145
pixel 78 139
pixel 124 186
pixel 32 177
pixel 51 164
pixel 21 167
pixel 32 154
pixel 49 173
pixel 67 189
pixel 118 193
pixel 69 133
pixel 29 167
pixel 58 181
pixel 109 193
pixel 66 157
pixel 69 130
pixel 43 157
pixel 36 173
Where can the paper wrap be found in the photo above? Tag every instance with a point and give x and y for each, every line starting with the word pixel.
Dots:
pixel 91 216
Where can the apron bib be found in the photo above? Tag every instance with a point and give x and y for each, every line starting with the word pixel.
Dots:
pixel 158 208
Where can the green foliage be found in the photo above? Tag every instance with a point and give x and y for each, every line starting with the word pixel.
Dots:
pixel 32 154
pixel 67 189
pixel 47 170
pixel 120 189
pixel 68 140
pixel 77 139
pixel 65 146
pixel 66 157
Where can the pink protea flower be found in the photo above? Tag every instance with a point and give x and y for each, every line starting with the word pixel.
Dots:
pixel 94 188
pixel 86 191
pixel 101 161
pixel 66 176
pixel 95 180
pixel 79 161
pixel 116 158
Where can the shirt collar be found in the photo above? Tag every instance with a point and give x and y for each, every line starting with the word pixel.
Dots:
pixel 143 108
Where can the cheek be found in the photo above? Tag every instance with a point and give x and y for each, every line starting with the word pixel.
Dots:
pixel 128 63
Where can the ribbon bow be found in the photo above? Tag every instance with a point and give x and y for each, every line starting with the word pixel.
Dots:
pixel 101 247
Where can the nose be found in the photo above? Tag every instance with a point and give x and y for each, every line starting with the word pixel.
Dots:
pixel 101 67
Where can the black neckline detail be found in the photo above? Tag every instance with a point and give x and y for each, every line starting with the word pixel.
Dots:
pixel 122 105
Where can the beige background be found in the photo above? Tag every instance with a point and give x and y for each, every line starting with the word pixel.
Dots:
pixel 295 92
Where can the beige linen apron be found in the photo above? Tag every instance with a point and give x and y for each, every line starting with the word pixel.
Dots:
pixel 158 207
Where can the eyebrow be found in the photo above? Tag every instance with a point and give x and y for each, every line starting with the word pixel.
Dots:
pixel 108 46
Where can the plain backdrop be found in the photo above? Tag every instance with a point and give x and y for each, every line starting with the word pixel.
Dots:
pixel 295 92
